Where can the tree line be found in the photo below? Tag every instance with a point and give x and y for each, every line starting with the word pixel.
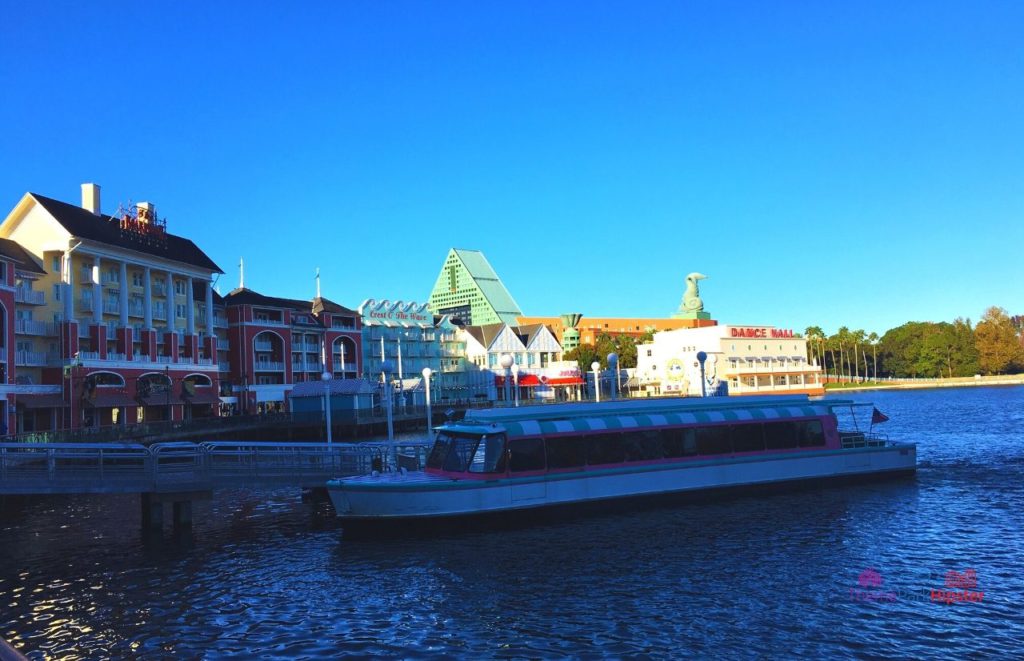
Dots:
pixel 923 349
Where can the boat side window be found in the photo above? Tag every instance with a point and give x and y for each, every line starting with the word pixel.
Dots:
pixel 490 455
pixel 442 445
pixel 678 442
pixel 811 434
pixel 713 440
pixel 463 448
pixel 565 452
pixel 605 449
pixel 748 437
pixel 526 454
pixel 781 435
pixel 642 445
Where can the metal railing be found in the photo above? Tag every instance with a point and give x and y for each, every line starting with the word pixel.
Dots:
pixel 178 466
pixel 26 295
pixel 851 439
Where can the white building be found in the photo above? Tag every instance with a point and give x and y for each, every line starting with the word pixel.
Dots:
pixel 745 360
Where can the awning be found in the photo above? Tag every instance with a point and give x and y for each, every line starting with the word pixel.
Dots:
pixel 203 396
pixel 52 400
pixel 102 400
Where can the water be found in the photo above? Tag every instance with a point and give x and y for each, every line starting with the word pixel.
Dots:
pixel 265 576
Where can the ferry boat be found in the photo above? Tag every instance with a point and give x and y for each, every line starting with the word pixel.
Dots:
pixel 497 463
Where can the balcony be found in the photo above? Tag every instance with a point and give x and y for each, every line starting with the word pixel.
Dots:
pixel 160 313
pixel 347 367
pixel 32 327
pixel 112 307
pixel 165 360
pixel 89 355
pixel 158 289
pixel 116 356
pixel 32 358
pixel 222 345
pixel 136 310
pixel 269 366
pixel 84 304
pixel 219 321
pixel 109 278
pixel 26 295
pixel 264 346
pixel 312 348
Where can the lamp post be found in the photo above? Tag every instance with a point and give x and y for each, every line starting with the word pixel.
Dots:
pixel 326 378
pixel 506 363
pixel 613 364
pixel 596 366
pixel 426 389
pixel 515 380
pixel 701 357
pixel 388 392
pixel 167 392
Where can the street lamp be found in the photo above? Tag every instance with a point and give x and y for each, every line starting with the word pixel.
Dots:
pixel 506 363
pixel 515 380
pixel 426 389
pixel 613 364
pixel 596 366
pixel 385 368
pixel 326 378
pixel 701 357
pixel 167 392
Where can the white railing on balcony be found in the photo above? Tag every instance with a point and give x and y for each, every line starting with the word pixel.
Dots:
pixel 85 304
pixel 136 310
pixel 26 295
pixel 347 367
pixel 109 278
pixel 116 356
pixel 264 346
pixel 312 347
pixel 312 366
pixel 29 358
pixel 89 355
pixel 158 289
pixel 159 312
pixel 33 327
pixel 165 360
pixel 204 361
pixel 112 307
pixel 220 321
pixel 269 366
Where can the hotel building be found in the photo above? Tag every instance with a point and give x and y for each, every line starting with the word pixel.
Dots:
pixel 745 360
pixel 468 289
pixel 116 325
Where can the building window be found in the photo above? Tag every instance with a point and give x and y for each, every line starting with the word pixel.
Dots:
pixel 179 311
pixel 55 265
pixel 179 287
pixel 136 279
pixel 56 292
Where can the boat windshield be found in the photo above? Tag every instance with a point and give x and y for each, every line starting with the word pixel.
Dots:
pixel 476 453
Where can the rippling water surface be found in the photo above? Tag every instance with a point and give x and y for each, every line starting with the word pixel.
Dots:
pixel 263 575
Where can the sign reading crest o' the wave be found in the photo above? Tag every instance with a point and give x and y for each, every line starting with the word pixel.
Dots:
pixel 398 312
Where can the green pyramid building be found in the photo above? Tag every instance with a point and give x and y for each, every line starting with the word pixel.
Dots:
pixel 469 289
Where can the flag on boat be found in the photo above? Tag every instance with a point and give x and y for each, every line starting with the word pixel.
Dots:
pixel 877 416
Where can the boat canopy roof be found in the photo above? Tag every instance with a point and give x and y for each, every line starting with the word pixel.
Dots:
pixel 630 407
pixel 685 416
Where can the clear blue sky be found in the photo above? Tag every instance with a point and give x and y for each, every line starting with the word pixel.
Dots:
pixel 847 163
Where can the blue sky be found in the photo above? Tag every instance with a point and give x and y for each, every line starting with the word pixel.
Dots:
pixel 855 163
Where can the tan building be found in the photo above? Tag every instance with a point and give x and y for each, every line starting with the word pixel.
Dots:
pixel 590 327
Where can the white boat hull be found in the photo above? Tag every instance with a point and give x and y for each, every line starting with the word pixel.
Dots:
pixel 417 495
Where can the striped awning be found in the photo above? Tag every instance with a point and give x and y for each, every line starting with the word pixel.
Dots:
pixel 627 422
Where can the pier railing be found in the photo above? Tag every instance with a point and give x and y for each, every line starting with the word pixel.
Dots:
pixel 164 467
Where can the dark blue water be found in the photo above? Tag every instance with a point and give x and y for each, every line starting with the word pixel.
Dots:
pixel 265 576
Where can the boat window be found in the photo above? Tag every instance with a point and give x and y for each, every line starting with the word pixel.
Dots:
pixel 605 449
pixel 781 435
pixel 565 452
pixel 642 445
pixel 490 455
pixel 442 445
pixel 526 454
pixel 460 453
pixel 748 438
pixel 713 440
pixel 678 442
pixel 811 434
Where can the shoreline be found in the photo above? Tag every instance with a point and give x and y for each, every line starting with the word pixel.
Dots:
pixel 1017 380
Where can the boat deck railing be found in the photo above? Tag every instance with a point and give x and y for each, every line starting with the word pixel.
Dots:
pixel 859 439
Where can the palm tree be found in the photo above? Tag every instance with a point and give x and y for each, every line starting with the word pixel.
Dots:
pixel 814 336
pixel 843 338
pixel 858 339
pixel 873 340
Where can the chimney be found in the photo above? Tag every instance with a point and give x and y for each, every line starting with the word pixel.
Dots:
pixel 146 212
pixel 91 198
